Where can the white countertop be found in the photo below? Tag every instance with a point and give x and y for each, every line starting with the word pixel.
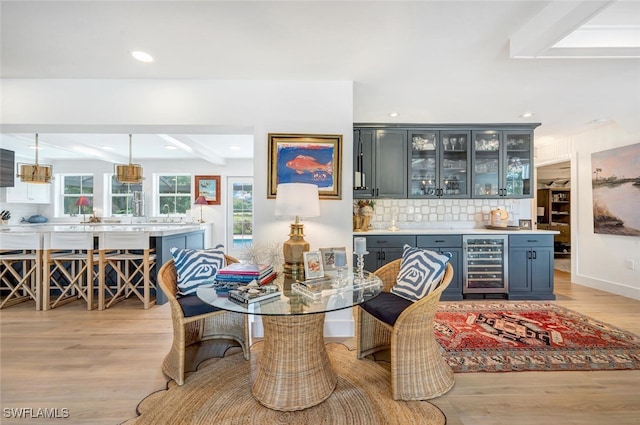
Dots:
pixel 154 229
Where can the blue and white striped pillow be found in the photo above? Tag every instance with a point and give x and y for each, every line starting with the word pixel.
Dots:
pixel 196 266
pixel 421 271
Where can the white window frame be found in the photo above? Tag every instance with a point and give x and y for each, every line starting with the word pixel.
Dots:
pixel 60 195
pixel 157 208
pixel 108 197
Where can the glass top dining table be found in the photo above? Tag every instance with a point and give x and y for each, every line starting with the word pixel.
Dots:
pixel 293 370
pixel 295 299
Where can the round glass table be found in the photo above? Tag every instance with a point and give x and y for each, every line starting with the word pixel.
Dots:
pixel 294 372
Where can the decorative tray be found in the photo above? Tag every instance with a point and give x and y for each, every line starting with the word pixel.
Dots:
pixel 326 288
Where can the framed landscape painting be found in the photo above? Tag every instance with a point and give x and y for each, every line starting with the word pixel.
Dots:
pixel 615 184
pixel 306 158
pixel 209 187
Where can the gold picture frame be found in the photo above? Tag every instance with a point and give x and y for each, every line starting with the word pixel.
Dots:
pixel 209 187
pixel 306 158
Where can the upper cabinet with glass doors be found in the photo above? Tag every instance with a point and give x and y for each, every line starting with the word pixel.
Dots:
pixel 438 164
pixel 502 163
pixel 437 161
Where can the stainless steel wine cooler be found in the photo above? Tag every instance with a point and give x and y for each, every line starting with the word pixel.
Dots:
pixel 485 264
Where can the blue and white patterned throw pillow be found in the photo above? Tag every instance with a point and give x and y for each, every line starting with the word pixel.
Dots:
pixel 196 266
pixel 421 271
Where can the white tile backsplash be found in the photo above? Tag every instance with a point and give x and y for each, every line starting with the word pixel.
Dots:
pixel 445 213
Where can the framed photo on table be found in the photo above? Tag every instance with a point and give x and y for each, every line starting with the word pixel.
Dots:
pixel 209 187
pixel 312 265
pixel 329 257
pixel 306 158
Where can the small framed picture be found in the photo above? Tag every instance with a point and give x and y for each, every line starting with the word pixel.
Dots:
pixel 313 265
pixel 524 224
pixel 329 257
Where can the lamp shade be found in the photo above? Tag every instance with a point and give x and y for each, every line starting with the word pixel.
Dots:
pixel 297 199
pixel 83 201
pixel 201 200
pixel 35 173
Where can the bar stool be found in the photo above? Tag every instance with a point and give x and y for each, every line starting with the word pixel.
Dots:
pixel 127 258
pixel 69 268
pixel 20 271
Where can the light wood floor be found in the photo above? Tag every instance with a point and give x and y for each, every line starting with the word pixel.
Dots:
pixel 99 365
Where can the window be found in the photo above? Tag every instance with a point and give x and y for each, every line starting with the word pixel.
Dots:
pixel 74 186
pixel 240 208
pixel 122 196
pixel 174 193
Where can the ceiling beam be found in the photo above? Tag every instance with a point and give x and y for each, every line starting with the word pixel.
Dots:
pixel 558 19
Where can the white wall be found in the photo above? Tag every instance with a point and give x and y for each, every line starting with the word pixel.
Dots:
pixel 200 106
pixel 597 260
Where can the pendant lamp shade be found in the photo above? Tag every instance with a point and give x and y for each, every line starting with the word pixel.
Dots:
pixel 129 173
pixel 35 173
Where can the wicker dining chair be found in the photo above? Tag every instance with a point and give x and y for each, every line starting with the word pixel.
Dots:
pixel 418 370
pixel 201 323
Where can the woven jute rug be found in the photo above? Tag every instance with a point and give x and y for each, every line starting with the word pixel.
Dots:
pixel 220 393
pixel 524 336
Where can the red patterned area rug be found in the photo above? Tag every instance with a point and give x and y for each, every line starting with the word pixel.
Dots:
pixel 509 337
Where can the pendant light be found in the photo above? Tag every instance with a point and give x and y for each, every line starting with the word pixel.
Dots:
pixel 35 173
pixel 129 173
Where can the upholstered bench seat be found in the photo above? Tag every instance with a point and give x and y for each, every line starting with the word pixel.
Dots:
pixel 193 306
pixel 386 307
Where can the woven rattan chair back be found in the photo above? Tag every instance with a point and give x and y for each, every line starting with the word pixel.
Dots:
pixel 418 370
pixel 191 333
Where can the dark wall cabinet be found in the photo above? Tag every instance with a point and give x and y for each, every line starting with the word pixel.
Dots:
pixel 502 163
pixel 380 163
pixel 531 267
pixel 453 161
pixel 452 244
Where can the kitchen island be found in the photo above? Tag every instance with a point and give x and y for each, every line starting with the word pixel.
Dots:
pixel 163 236
pixel 507 263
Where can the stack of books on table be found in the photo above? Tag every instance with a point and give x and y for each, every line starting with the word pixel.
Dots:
pixel 241 274
pixel 246 295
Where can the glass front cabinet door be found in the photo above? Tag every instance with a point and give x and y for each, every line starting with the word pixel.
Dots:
pixel 438 162
pixel 502 164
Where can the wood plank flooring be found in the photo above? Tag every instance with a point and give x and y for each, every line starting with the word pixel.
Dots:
pixel 99 365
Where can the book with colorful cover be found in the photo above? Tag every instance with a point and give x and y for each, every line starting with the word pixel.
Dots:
pixel 240 272
pixel 246 269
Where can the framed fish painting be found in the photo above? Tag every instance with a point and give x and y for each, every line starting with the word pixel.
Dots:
pixel 306 158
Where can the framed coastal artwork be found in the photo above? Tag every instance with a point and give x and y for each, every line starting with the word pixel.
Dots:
pixel 306 158
pixel 615 184
pixel 209 187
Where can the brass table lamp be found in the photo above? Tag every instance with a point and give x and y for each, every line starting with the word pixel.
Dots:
pixel 296 200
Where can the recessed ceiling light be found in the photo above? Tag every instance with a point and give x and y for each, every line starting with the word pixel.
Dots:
pixel 234 148
pixel 527 115
pixel 170 147
pixel 142 56
pixel 393 114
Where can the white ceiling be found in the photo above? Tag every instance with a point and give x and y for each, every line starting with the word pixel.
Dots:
pixel 429 61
